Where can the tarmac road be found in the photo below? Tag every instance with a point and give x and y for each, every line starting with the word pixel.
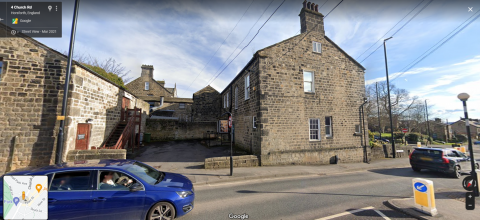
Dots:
pixel 313 197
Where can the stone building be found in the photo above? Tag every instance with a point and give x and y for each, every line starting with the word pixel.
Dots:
pixel 206 105
pixel 438 130
pixel 459 127
pixel 297 101
pixel 31 92
pixel 164 102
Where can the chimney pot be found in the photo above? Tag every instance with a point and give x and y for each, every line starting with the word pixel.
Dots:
pixel 316 7
pixel 309 5
pixel 305 4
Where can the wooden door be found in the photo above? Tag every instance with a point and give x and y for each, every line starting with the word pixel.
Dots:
pixel 83 137
pixel 125 106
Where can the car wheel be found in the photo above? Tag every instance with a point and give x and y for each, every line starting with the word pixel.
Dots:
pixel 456 172
pixel 161 211
pixel 416 169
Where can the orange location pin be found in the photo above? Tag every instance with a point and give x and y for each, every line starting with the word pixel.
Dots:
pixel 39 187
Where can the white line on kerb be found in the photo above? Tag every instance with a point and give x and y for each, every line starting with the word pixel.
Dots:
pixel 381 214
pixel 346 213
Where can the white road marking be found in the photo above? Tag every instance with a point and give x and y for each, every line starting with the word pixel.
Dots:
pixel 381 214
pixel 346 213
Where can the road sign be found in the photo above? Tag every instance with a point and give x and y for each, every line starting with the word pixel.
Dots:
pixel 229 121
pixel 424 197
pixel 469 183
pixel 404 130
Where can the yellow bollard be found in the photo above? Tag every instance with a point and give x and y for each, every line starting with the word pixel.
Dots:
pixel 419 144
pixel 463 150
pixel 424 196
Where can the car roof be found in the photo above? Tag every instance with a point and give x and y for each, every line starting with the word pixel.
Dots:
pixel 81 164
pixel 427 148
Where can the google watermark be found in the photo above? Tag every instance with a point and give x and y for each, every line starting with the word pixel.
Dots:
pixel 238 216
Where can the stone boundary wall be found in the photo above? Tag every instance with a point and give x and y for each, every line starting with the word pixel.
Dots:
pixel 313 156
pixel 166 130
pixel 75 155
pixel 378 153
pixel 238 161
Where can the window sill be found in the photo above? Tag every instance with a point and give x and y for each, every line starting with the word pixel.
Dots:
pixel 357 134
pixel 309 92
pixel 314 140
pixel 329 137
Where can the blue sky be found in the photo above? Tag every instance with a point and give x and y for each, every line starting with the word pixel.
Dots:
pixel 180 37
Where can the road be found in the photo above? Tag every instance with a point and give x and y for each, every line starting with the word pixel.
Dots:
pixel 313 197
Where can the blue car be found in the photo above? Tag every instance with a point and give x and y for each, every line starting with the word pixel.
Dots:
pixel 113 189
pixel 476 142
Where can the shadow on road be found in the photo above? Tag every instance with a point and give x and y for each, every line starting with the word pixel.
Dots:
pixel 314 193
pixel 408 172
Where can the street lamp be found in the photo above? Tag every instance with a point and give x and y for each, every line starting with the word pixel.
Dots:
pixel 389 103
pixel 464 97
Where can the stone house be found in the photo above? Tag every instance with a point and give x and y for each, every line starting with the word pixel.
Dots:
pixel 438 129
pixel 31 92
pixel 459 127
pixel 164 102
pixel 298 101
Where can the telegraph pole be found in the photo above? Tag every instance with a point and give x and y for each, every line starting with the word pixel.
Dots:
pixel 59 150
pixel 378 109
pixel 428 123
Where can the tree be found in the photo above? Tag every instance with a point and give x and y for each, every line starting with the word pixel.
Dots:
pixel 401 102
pixel 109 65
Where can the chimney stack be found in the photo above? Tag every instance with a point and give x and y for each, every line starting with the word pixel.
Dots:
pixel 147 71
pixel 311 19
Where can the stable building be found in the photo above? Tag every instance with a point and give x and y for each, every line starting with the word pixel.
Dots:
pixel 32 78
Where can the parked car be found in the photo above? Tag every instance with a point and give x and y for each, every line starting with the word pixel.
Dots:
pixel 476 142
pixel 449 161
pixel 385 140
pixel 141 191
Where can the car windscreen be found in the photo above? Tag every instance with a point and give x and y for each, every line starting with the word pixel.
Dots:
pixel 428 152
pixel 144 172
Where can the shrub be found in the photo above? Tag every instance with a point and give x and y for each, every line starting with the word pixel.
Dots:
pixel 413 137
pixel 398 135
pixel 398 141
pixel 461 138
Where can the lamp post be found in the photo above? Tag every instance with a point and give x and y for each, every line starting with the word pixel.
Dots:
pixel 389 103
pixel 464 97
pixel 378 109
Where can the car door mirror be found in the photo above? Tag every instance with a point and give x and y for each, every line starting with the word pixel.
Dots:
pixel 136 187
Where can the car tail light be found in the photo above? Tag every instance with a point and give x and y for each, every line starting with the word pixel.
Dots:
pixel 410 156
pixel 445 160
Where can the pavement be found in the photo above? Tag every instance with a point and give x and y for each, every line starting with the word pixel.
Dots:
pixel 450 203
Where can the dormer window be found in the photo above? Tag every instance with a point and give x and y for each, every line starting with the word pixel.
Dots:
pixel 317 47
pixel 147 86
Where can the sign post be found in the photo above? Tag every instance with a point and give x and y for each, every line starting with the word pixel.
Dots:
pixel 224 125
pixel 424 196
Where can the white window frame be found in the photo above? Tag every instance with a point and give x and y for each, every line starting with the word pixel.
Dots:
pixel 312 82
pixel 247 87
pixel 181 104
pixel 317 47
pixel 328 128
pixel 254 122
pixel 228 97
pixel 147 85
pixel 224 101
pixel 359 131
pixel 236 97
pixel 310 129
pixel 161 101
